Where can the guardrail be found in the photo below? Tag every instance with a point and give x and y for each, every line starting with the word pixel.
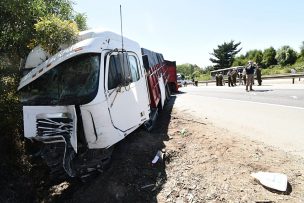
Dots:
pixel 206 82
pixel 265 77
pixel 297 75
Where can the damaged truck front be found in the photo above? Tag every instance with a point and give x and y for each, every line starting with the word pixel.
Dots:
pixel 87 97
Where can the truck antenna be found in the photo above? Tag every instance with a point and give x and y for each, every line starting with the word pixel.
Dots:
pixel 122 43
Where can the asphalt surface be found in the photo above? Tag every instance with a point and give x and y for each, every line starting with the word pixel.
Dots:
pixel 289 95
pixel 272 114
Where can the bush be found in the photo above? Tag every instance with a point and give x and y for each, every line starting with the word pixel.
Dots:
pixel 299 65
pixel 286 56
pixel 11 146
pixel 204 77
pixel 53 32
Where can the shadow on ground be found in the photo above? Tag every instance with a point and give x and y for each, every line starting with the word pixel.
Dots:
pixel 131 176
pixel 265 90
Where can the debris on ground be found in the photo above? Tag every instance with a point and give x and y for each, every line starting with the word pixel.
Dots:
pixel 159 156
pixel 209 164
pixel 277 181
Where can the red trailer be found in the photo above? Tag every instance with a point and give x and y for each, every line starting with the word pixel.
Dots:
pixel 157 68
pixel 161 78
pixel 172 77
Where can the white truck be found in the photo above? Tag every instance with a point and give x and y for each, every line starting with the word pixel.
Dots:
pixel 81 101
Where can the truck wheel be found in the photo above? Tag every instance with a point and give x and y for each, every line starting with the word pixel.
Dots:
pixel 168 93
pixel 53 156
pixel 172 87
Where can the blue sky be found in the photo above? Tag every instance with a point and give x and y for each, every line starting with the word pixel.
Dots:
pixel 186 31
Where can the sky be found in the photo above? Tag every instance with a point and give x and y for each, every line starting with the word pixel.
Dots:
pixel 187 31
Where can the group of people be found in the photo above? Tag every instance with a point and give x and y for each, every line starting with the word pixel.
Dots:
pixel 246 76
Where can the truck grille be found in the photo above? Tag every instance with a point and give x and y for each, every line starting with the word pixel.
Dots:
pixel 54 127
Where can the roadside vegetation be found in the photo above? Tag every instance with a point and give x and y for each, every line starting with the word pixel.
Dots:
pixel 271 61
pixel 25 24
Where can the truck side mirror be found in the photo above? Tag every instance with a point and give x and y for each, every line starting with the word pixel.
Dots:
pixel 125 68
pixel 145 61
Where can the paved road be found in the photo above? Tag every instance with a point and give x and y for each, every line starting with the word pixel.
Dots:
pixel 273 114
pixel 289 95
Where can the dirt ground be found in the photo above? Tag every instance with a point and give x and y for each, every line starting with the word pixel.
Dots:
pixel 201 163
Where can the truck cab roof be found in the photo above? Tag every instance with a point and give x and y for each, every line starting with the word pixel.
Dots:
pixel 90 41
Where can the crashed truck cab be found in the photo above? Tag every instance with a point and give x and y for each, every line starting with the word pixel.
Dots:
pixel 86 97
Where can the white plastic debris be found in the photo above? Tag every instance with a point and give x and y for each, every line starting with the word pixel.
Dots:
pixel 277 181
pixel 159 155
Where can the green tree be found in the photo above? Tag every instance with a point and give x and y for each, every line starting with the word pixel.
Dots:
pixel 302 50
pixel 269 55
pixel 188 69
pixel 81 20
pixel 255 55
pixel 51 32
pixel 16 24
pixel 240 60
pixel 224 54
pixel 60 8
pixel 207 69
pixel 196 74
pixel 286 56
pixel 18 17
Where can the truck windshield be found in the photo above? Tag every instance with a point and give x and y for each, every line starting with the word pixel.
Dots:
pixel 72 82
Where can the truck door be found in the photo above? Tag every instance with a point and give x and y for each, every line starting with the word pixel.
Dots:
pixel 128 103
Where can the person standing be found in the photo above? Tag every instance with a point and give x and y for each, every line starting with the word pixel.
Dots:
pixel 220 79
pixel 234 75
pixel 259 75
pixel 244 75
pixel 293 71
pixel 229 75
pixel 249 74
pixel 240 77
pixel 217 79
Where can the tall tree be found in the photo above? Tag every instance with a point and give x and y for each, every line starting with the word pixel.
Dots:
pixel 224 54
pixel 269 57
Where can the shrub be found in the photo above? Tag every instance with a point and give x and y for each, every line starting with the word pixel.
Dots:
pixel 286 56
pixel 53 32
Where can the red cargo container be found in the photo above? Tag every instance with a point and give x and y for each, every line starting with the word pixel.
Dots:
pixel 172 78
pixel 159 70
